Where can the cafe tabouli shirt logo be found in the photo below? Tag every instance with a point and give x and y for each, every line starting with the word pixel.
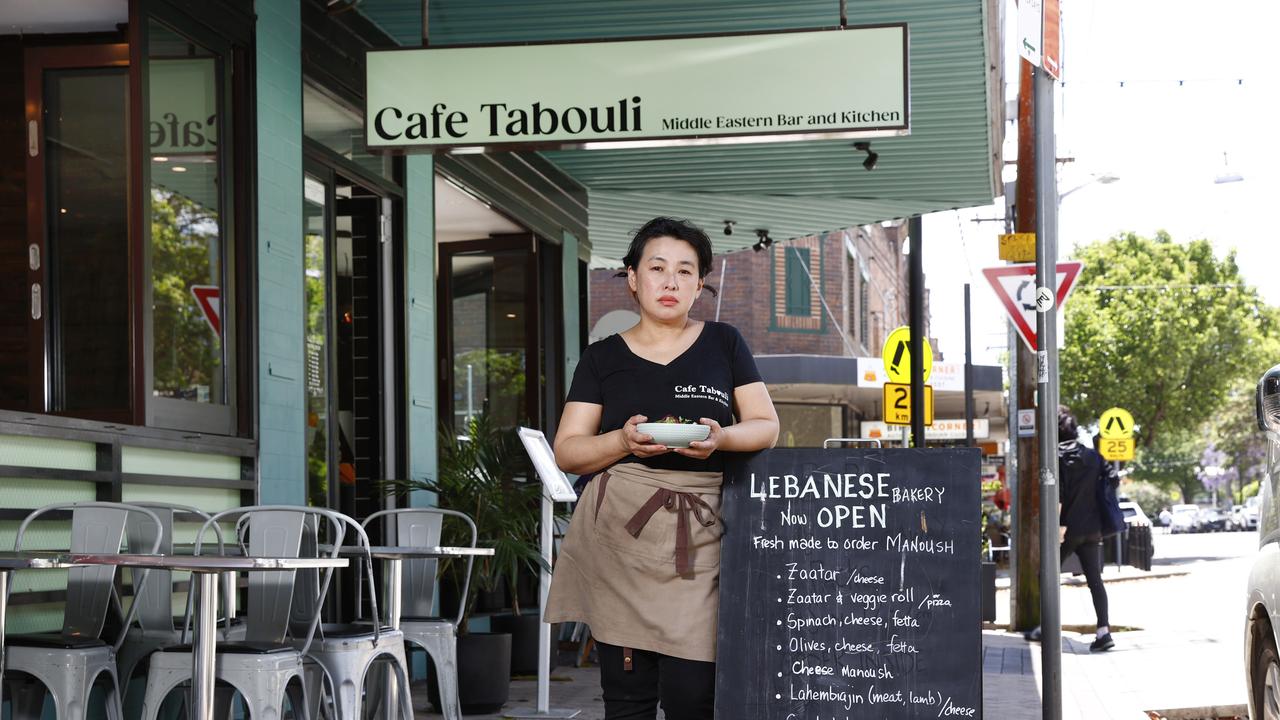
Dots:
pixel 701 392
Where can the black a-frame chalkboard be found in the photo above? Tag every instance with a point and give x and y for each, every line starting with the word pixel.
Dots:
pixel 849 586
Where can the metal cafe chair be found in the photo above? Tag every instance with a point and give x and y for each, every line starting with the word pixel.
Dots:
pixel 69 663
pixel 345 653
pixel 438 636
pixel 266 668
pixel 156 627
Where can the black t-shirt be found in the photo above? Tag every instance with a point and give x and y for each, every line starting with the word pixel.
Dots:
pixel 698 383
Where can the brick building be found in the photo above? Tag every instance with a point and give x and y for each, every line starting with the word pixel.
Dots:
pixel 794 297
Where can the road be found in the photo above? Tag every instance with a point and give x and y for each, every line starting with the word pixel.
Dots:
pixel 1186 642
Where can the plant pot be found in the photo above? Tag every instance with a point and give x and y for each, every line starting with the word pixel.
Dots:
pixel 524 641
pixel 482 687
pixel 495 600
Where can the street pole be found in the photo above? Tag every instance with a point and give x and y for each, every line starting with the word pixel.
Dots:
pixel 968 372
pixel 1025 574
pixel 915 274
pixel 1047 385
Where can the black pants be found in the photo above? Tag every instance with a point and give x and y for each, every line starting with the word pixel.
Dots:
pixel 1089 550
pixel 687 688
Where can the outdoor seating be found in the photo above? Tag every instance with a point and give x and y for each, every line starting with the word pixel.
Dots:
pixel 438 636
pixel 266 668
pixel 69 663
pixel 156 627
pixel 345 652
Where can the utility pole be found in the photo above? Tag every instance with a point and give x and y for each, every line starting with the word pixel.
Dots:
pixel 1025 594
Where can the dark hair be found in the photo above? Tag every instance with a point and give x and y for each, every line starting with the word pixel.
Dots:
pixel 678 229
pixel 1068 429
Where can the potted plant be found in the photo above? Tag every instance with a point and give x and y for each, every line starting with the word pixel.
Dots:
pixel 480 473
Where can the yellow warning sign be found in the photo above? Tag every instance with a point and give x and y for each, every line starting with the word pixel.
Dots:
pixel 897 404
pixel 1116 448
pixel 1018 247
pixel 1116 423
pixel 897 355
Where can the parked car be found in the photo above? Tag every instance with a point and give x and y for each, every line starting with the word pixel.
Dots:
pixel 1251 512
pixel 1133 515
pixel 1211 520
pixel 1261 659
pixel 1243 517
pixel 1185 519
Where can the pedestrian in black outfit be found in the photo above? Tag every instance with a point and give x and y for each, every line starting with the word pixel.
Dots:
pixel 1080 472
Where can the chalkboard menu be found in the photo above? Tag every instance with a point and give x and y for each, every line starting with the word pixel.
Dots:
pixel 849 586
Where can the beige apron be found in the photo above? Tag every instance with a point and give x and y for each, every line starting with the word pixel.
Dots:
pixel 641 561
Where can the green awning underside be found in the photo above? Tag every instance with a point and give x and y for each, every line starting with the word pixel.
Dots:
pixel 951 158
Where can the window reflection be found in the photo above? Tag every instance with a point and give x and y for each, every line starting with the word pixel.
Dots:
pixel 316 338
pixel 187 229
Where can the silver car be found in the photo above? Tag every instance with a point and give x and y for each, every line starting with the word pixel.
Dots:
pixel 1262 662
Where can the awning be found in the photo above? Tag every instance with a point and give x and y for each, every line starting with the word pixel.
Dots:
pixel 951 158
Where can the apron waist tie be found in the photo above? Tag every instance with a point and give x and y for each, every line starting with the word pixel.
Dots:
pixel 680 503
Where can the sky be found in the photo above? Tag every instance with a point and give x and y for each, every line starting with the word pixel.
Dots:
pixel 1165 95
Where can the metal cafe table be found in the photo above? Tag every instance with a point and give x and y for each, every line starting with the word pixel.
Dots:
pixel 393 558
pixel 204 567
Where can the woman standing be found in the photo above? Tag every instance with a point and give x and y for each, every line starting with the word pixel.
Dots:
pixel 641 561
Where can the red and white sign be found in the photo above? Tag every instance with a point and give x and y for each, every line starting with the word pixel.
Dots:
pixel 1015 285
pixel 1051 51
pixel 209 300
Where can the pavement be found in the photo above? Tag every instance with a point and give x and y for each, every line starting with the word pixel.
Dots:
pixel 1172 658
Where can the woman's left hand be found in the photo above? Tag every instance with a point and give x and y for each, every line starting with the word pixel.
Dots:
pixel 702 449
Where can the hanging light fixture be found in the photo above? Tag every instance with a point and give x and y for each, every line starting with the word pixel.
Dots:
pixel 872 157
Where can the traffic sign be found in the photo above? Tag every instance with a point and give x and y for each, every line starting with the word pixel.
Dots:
pixel 209 300
pixel 1116 448
pixel 1018 247
pixel 897 404
pixel 897 355
pixel 1015 286
pixel 1116 423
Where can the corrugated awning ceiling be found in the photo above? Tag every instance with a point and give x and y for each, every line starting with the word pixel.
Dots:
pixel 793 189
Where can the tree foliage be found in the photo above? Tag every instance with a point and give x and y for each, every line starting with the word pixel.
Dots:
pixel 1167 331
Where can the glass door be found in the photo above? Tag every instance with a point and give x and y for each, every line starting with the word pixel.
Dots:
pixel 489 318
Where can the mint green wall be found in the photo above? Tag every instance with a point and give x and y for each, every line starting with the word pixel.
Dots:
pixel 420 261
pixel 281 408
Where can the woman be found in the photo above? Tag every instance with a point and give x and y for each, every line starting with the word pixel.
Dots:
pixel 640 563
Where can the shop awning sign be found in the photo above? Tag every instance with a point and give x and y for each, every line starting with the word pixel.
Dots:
pixel 1015 286
pixel 760 87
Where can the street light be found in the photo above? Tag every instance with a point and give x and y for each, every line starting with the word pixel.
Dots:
pixel 1102 179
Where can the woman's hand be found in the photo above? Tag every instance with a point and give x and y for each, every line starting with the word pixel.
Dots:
pixel 702 449
pixel 637 443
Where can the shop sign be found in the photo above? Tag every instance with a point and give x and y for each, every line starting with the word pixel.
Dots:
pixel 184 108
pixel 676 91
pixel 951 429
pixel 946 377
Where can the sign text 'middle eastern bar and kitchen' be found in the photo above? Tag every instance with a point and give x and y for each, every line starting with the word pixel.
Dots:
pixel 825 83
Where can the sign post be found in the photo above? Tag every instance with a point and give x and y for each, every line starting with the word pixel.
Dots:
pixel 555 488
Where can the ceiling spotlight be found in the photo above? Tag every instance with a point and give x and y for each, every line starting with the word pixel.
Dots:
pixel 728 227
pixel 762 239
pixel 757 246
pixel 872 157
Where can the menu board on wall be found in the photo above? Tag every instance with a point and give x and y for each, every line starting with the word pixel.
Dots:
pixel 849 585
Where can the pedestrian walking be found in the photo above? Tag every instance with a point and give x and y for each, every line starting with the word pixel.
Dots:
pixel 1081 473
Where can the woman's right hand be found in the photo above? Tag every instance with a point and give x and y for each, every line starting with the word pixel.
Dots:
pixel 637 443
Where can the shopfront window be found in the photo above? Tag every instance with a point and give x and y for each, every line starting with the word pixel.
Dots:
pixel 187 230
pixel 316 339
pixel 87 241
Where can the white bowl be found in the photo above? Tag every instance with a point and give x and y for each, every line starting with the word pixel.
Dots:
pixel 676 435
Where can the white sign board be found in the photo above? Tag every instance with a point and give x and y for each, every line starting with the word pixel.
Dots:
pixel 939 430
pixel 1031 30
pixel 544 462
pixel 1026 423
pixel 945 377
pixel 758 87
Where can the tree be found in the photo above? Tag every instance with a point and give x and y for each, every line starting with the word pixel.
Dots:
pixel 1172 463
pixel 1164 330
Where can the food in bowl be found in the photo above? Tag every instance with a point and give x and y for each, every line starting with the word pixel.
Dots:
pixel 674 431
